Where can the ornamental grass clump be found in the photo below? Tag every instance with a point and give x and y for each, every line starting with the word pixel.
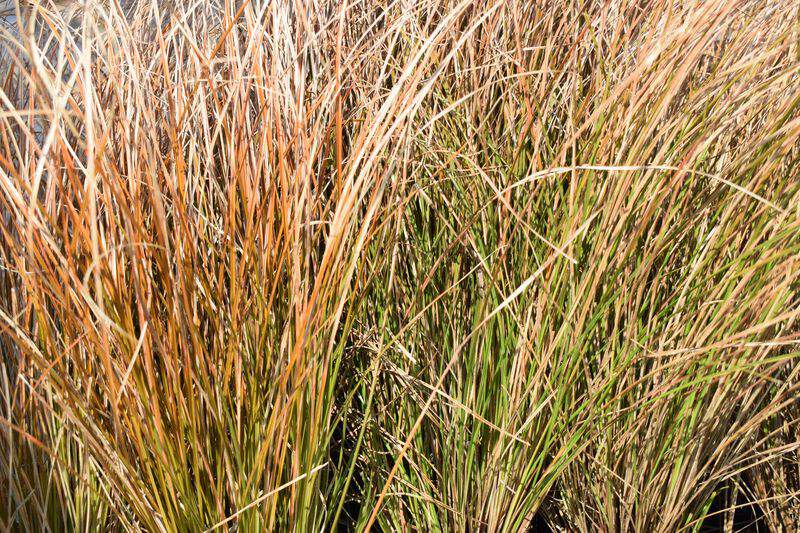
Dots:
pixel 446 265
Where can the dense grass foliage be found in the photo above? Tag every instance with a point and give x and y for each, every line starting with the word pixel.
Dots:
pixel 437 265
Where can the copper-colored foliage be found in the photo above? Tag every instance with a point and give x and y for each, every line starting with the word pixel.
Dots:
pixel 440 265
